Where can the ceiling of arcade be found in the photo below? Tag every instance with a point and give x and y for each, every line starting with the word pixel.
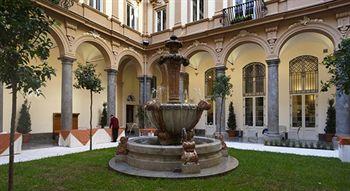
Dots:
pixel 72 35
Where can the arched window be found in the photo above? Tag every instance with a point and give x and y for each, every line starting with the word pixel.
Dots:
pixel 303 72
pixel 303 84
pixel 209 83
pixel 253 93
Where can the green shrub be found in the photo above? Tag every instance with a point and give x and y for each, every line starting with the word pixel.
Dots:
pixel 104 117
pixel 24 121
pixel 231 121
pixel 330 123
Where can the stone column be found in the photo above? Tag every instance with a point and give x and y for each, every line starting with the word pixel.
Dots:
pixel 111 89
pixel 148 87
pixel 67 93
pixel 342 114
pixel 141 91
pixel 272 96
pixel 1 107
pixel 220 114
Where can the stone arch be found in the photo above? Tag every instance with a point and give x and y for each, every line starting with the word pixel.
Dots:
pixel 153 60
pixel 125 54
pixel 240 40
pixel 192 50
pixel 99 43
pixel 319 27
pixel 60 39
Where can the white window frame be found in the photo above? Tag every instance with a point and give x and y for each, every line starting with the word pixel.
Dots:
pixel 244 8
pixel 254 111
pixel 131 17
pixel 198 10
pixel 94 4
pixel 162 22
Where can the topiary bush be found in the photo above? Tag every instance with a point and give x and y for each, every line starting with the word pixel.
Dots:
pixel 24 125
pixel 231 122
pixel 104 117
pixel 330 122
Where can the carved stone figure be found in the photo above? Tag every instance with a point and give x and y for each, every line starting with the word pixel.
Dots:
pixel 189 155
pixel 122 146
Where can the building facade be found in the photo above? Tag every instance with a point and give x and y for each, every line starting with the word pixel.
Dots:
pixel 272 51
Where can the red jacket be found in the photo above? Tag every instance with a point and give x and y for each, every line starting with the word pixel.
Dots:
pixel 114 123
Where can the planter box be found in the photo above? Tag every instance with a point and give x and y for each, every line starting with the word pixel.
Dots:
pixel 326 137
pixel 5 143
pixel 79 138
pixel 344 149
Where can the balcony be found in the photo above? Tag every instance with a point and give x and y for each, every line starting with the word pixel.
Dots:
pixel 252 9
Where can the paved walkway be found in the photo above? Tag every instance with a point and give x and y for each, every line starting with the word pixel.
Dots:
pixel 35 154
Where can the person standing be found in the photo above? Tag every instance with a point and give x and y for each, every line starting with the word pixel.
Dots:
pixel 114 124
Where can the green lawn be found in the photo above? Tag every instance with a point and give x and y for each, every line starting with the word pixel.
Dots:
pixel 257 171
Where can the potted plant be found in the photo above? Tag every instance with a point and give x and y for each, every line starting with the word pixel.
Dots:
pixel 330 123
pixel 24 122
pixel 231 122
pixel 104 117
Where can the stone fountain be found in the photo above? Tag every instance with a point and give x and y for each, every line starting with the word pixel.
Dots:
pixel 175 152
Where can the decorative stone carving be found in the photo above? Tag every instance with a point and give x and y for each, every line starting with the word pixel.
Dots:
pixel 196 43
pixel 158 2
pixel 95 35
pixel 343 20
pixel 305 21
pixel 70 32
pixel 224 149
pixel 241 34
pixel 122 146
pixel 115 48
pixel 271 36
pixel 189 155
pixel 218 44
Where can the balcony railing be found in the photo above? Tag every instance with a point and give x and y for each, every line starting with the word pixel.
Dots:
pixel 252 9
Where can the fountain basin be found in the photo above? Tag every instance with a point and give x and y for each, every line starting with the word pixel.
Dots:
pixel 147 158
pixel 170 119
pixel 144 153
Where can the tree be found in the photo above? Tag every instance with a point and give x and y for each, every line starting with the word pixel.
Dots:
pixel 330 122
pixel 88 79
pixel 24 121
pixel 104 117
pixel 339 68
pixel 24 30
pixel 231 122
pixel 222 88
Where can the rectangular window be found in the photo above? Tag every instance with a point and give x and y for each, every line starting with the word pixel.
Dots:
pixel 161 20
pixel 97 4
pixel 197 10
pixel 297 111
pixel 249 111
pixel 259 111
pixel 310 111
pixel 131 17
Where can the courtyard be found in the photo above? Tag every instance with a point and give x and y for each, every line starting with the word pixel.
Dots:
pixel 257 171
pixel 174 95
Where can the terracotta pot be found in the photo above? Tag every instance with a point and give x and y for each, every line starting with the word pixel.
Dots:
pixel 232 133
pixel 327 137
pixel 26 138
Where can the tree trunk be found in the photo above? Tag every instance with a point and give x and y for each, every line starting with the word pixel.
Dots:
pixel 90 120
pixel 222 103
pixel 12 136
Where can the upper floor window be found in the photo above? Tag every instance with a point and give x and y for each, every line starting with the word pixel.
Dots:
pixel 131 16
pixel 160 19
pixel 244 8
pixel 303 72
pixel 97 4
pixel 197 10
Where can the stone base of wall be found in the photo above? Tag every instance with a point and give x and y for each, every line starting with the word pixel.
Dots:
pixel 5 144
